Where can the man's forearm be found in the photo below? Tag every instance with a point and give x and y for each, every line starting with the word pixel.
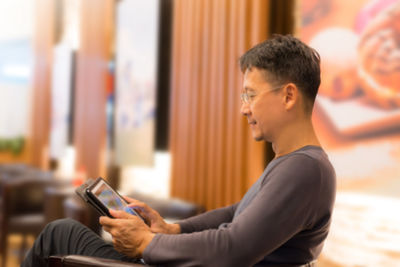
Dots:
pixel 208 220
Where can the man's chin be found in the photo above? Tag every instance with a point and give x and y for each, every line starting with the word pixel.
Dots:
pixel 258 137
pixel 257 134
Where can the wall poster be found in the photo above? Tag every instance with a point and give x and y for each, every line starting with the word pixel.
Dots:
pixel 136 65
pixel 357 116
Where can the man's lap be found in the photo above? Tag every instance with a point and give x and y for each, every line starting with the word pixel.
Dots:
pixel 67 236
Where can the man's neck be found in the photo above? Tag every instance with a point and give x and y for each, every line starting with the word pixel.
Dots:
pixel 296 136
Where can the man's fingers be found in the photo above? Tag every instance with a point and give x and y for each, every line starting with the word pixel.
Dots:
pixel 137 208
pixel 107 229
pixel 106 221
pixel 139 205
pixel 119 214
pixel 132 200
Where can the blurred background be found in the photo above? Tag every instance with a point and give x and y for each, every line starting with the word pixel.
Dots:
pixel 145 93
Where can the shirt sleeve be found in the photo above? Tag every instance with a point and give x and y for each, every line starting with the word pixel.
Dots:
pixel 284 206
pixel 208 220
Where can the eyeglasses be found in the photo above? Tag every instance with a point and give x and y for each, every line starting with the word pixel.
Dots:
pixel 248 97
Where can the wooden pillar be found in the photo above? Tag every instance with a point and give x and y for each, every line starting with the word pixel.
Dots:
pixel 38 140
pixel 96 40
pixel 259 30
pixel 214 158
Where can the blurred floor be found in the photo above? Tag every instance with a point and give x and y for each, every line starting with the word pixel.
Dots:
pixel 14 243
pixel 365 232
pixel 324 262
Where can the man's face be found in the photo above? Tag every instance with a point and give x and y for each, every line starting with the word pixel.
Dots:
pixel 263 108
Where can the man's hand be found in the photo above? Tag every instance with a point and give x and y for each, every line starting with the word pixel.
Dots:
pixel 153 218
pixel 130 235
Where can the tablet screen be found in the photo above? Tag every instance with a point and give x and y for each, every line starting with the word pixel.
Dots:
pixel 108 197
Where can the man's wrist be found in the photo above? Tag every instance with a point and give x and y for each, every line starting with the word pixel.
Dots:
pixel 174 228
pixel 146 241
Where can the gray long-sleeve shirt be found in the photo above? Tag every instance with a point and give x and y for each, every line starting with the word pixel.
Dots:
pixel 283 219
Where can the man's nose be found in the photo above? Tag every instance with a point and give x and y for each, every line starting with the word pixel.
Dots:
pixel 245 109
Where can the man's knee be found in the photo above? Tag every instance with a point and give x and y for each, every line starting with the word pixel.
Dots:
pixel 63 226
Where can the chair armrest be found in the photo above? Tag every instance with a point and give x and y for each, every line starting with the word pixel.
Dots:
pixel 86 261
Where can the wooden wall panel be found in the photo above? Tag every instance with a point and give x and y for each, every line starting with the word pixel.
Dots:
pixel 45 30
pixel 96 24
pixel 260 25
pixel 214 158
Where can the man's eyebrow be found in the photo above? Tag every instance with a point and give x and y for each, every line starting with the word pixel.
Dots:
pixel 246 88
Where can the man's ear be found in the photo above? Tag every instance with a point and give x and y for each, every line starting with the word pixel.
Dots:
pixel 291 95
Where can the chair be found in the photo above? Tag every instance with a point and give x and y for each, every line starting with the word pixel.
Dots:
pixel 7 172
pixel 22 211
pixel 86 261
pixel 11 170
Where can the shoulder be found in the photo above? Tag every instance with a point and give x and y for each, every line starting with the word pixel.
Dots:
pixel 306 180
pixel 304 167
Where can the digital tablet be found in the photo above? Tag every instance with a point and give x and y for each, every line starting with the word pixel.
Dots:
pixel 103 197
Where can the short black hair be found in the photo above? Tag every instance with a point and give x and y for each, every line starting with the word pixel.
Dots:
pixel 286 59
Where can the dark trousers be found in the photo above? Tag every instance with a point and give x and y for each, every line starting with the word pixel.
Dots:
pixel 67 236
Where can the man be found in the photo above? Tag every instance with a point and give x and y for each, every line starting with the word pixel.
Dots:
pixel 282 220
